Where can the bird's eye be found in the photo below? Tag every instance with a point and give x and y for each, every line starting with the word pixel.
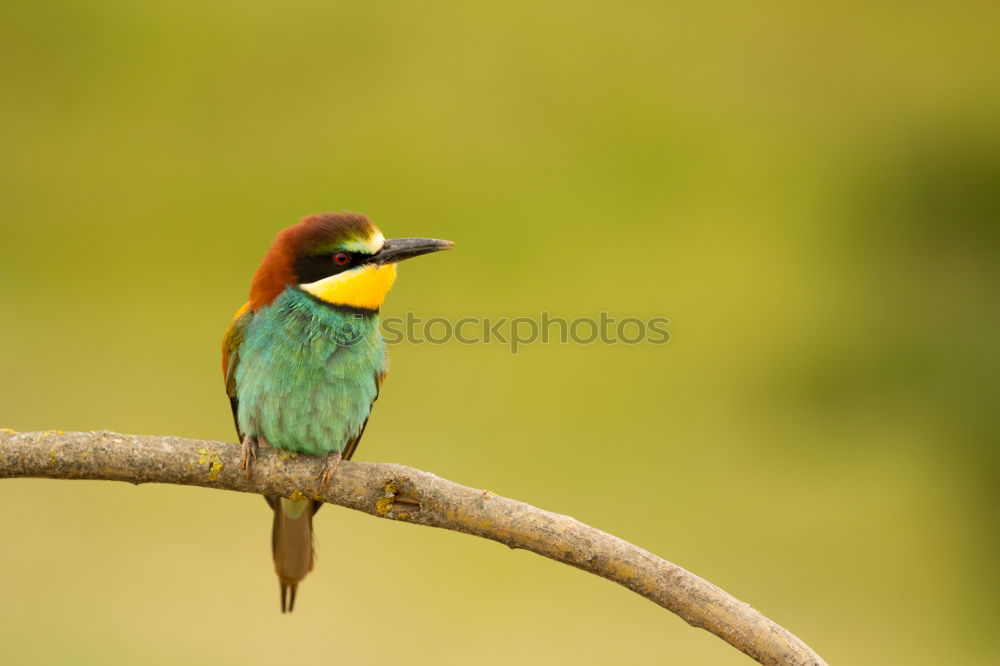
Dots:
pixel 341 258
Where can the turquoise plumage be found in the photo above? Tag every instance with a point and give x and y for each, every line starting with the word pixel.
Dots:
pixel 308 374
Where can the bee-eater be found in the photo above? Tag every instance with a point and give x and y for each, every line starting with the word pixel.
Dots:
pixel 304 359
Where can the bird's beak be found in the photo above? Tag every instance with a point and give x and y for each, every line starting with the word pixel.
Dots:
pixel 397 249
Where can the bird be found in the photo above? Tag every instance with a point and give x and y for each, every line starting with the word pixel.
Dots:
pixel 304 359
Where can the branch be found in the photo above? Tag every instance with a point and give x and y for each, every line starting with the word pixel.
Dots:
pixel 408 495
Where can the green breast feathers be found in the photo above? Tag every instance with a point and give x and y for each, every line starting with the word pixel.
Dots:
pixel 304 375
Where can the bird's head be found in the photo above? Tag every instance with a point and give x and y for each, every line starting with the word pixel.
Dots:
pixel 339 258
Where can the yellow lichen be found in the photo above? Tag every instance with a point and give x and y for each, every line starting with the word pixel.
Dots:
pixel 383 505
pixel 8 431
pixel 52 457
pixel 297 495
pixel 285 455
pixel 211 458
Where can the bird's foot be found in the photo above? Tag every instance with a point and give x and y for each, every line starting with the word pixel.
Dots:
pixel 248 455
pixel 330 467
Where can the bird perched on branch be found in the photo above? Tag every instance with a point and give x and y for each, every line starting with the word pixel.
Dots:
pixel 304 359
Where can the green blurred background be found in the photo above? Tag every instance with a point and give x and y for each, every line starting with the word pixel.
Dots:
pixel 809 193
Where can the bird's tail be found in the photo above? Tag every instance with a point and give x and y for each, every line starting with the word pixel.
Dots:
pixel 292 544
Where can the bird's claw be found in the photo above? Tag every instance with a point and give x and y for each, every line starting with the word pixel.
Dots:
pixel 330 468
pixel 248 455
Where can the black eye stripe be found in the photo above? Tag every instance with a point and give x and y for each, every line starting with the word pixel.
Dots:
pixel 318 266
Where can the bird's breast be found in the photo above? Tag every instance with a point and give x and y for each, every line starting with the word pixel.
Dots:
pixel 307 375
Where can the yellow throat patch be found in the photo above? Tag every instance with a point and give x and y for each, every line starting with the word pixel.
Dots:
pixel 362 287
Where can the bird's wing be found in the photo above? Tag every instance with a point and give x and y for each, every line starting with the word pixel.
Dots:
pixel 231 343
pixel 353 444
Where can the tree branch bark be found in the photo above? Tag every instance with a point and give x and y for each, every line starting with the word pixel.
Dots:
pixel 408 495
